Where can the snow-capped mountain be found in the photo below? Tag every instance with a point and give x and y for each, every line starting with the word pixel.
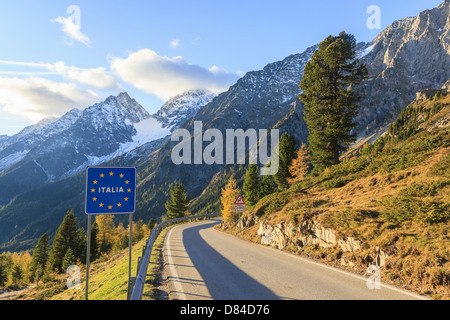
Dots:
pixel 409 56
pixel 58 148
pixel 183 107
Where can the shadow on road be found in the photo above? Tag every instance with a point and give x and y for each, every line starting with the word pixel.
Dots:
pixel 224 280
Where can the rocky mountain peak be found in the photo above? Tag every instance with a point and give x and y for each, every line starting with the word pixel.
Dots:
pixel 411 55
pixel 182 107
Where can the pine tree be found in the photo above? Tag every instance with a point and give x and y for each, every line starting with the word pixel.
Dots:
pixel 6 264
pixel 40 257
pixel 287 152
pixel 151 224
pixel 124 241
pixel 17 274
pixel 138 231
pixel 267 186
pixel 66 236
pixel 229 195
pixel 95 248
pixel 80 246
pixel 252 185
pixel 69 259
pixel 177 204
pixel 300 165
pixel 330 104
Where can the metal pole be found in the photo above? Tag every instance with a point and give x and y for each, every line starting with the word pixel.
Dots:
pixel 88 255
pixel 130 223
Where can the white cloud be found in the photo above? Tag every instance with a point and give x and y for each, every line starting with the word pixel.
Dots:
pixel 97 77
pixel 73 31
pixel 35 98
pixel 175 43
pixel 166 77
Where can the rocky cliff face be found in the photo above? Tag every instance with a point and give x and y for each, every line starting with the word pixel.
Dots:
pixel 310 233
pixel 410 55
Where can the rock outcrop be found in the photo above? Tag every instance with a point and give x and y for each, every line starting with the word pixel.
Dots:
pixel 313 233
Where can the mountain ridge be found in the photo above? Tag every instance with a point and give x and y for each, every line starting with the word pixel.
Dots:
pixel 268 98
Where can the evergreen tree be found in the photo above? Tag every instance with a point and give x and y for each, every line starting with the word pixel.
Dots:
pixel 80 246
pixel 95 248
pixel 66 236
pixel 267 186
pixel 138 231
pixel 17 274
pixel 6 264
pixel 68 260
pixel 330 103
pixel 177 204
pixel 252 185
pixel 229 195
pixel 124 241
pixel 40 257
pixel 151 224
pixel 287 152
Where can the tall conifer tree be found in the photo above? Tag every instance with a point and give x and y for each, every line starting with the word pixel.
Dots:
pixel 66 237
pixel 330 104
pixel 40 257
pixel 177 205
pixel 287 152
pixel 252 185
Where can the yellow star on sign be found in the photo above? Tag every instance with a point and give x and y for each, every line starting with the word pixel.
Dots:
pixel 94 199
pixel 111 173
pixel 92 190
pixel 121 175
pixel 101 205
pixel 109 207
pixel 102 175
pixel 95 181
pixel 126 199
pixel 119 204
pixel 129 190
pixel 127 182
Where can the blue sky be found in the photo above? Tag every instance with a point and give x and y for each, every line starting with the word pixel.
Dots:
pixel 53 59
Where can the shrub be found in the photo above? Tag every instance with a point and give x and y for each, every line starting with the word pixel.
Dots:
pixel 406 208
pixel 427 189
pixel 441 168
pixel 336 183
pixel 272 203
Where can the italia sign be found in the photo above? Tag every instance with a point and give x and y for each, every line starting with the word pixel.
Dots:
pixel 110 190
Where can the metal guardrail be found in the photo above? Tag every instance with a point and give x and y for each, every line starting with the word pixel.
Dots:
pixel 139 282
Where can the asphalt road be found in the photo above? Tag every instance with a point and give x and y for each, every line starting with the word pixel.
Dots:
pixel 202 263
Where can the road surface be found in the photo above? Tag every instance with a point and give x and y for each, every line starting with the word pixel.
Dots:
pixel 202 263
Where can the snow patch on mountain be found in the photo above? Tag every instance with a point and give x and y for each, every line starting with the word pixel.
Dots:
pixel 12 158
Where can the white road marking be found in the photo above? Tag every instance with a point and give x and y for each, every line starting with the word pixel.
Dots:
pixel 175 278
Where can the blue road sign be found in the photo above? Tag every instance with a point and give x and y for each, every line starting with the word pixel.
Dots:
pixel 110 190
